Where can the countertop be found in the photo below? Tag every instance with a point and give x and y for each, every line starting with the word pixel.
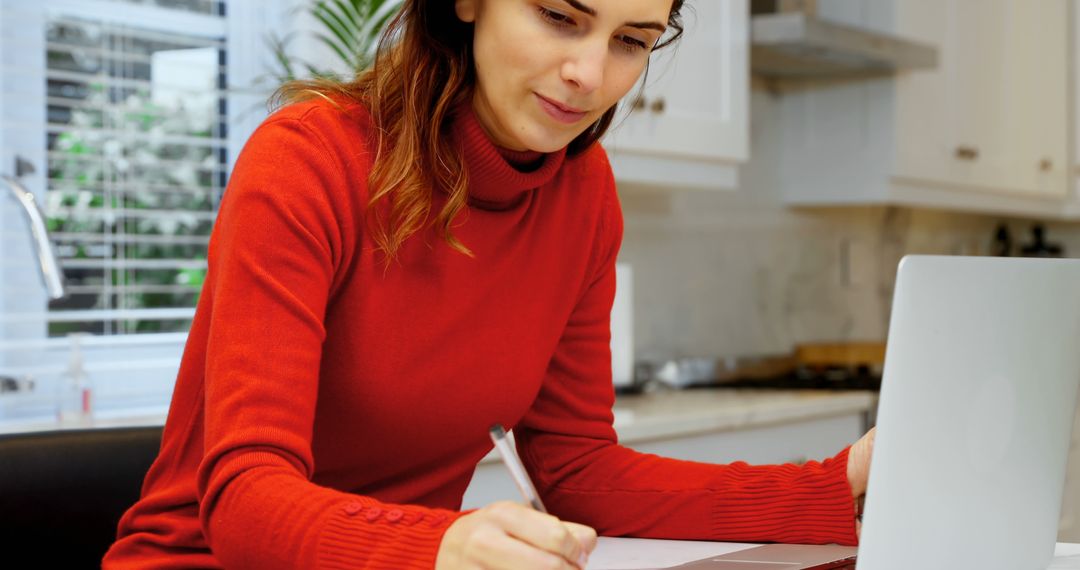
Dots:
pixel 642 417
pixel 677 413
pixel 657 415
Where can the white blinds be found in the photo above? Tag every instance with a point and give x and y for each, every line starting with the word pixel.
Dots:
pixel 197 6
pixel 136 165
pixel 127 110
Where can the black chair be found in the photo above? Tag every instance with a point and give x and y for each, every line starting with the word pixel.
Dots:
pixel 62 492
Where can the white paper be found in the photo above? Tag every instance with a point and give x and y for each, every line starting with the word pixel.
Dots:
pixel 646 553
pixel 1066 557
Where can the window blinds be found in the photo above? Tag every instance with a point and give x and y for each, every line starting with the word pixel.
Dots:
pixel 137 125
pixel 136 165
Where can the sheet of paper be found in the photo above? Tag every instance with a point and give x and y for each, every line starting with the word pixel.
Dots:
pixel 650 554
pixel 646 553
pixel 1066 557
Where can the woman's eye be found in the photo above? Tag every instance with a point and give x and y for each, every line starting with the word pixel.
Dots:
pixel 631 44
pixel 557 19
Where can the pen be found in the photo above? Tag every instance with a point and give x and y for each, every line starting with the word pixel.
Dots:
pixel 517 470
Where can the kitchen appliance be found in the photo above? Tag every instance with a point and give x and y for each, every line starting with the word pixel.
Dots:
pixel 789 41
pixel 813 366
pixel 622 329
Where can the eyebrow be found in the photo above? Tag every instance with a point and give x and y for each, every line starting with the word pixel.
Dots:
pixel 640 25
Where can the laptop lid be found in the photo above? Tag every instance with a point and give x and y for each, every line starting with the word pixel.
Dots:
pixel 977 402
pixel 980 385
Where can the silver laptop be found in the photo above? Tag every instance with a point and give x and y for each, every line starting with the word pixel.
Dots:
pixel 977 403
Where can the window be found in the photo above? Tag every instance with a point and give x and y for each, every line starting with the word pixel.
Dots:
pixel 197 6
pixel 130 116
pixel 135 167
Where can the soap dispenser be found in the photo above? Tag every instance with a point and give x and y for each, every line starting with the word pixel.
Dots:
pixel 75 395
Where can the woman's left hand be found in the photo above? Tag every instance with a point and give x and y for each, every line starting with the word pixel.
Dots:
pixel 858 471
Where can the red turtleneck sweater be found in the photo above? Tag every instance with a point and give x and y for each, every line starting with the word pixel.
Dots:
pixel 329 413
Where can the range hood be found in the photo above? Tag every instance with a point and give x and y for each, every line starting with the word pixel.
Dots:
pixel 789 41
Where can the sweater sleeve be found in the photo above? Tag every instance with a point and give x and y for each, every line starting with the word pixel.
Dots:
pixel 277 246
pixel 570 448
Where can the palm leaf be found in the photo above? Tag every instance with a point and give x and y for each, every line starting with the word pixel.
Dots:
pixel 281 56
pixel 341 51
pixel 349 28
pixel 333 23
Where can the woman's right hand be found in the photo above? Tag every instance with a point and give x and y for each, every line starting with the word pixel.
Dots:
pixel 508 535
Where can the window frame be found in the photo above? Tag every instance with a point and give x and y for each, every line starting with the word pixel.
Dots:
pixel 133 374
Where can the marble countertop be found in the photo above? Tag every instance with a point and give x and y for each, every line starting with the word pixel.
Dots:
pixel 659 415
pixel 678 413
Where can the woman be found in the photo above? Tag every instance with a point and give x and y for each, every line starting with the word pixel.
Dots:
pixel 404 260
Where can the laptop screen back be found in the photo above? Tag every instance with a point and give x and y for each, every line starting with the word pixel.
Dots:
pixel 977 402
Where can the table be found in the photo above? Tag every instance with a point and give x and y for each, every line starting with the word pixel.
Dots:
pixel 633 553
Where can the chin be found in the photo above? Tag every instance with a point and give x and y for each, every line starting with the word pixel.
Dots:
pixel 546 141
pixel 548 147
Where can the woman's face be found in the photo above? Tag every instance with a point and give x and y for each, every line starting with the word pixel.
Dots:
pixel 547 69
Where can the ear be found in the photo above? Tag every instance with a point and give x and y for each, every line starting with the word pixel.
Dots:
pixel 466 10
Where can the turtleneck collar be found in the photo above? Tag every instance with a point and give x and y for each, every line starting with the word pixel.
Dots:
pixel 523 160
pixel 494 181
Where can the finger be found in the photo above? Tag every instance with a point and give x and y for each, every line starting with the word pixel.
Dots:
pixel 496 550
pixel 585 535
pixel 540 530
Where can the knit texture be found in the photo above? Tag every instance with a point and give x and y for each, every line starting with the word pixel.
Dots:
pixel 329 411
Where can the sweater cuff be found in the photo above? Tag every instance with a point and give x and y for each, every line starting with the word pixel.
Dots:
pixel 364 533
pixel 801 504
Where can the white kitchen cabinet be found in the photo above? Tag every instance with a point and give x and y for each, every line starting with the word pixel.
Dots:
pixel 990 116
pixel 983 131
pixel 1074 200
pixel 690 125
pixel 798 441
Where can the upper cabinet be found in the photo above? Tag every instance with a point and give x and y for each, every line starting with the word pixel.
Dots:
pixel 990 117
pixel 689 126
pixel 985 130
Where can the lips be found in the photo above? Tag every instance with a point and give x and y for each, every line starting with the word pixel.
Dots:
pixel 565 108
pixel 560 112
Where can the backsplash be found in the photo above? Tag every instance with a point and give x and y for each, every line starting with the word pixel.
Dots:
pixel 735 273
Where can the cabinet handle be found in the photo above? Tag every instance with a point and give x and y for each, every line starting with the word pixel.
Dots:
pixel 638 104
pixel 658 105
pixel 1046 165
pixel 967 153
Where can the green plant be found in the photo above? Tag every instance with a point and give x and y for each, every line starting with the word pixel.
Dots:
pixel 129 154
pixel 349 28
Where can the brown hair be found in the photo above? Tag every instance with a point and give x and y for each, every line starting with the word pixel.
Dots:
pixel 422 69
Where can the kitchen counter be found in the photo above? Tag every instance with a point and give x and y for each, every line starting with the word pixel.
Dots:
pixel 718 426
pixel 644 418
pixel 710 425
pixel 136 418
pixel 661 414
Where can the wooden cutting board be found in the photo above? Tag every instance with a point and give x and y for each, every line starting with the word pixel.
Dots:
pixel 841 354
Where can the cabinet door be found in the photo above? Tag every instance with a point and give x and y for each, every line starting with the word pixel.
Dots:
pixel 695 102
pixel 991 116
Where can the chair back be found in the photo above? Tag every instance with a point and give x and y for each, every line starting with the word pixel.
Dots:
pixel 63 492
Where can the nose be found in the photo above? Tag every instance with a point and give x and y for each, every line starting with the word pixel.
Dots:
pixel 584 68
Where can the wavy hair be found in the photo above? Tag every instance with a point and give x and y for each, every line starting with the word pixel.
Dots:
pixel 422 69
